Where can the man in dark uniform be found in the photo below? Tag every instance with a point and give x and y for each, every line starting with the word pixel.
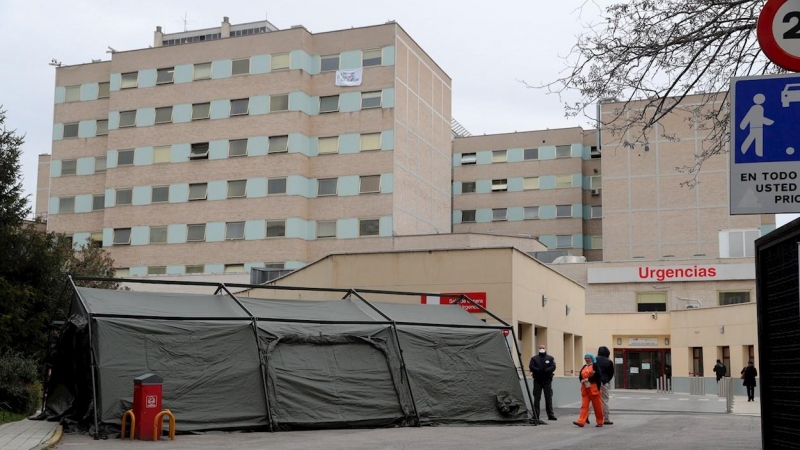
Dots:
pixel 542 367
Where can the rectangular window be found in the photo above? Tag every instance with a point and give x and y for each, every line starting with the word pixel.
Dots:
pixel 276 186
pixel 234 268
pixel 733 298
pixel 467 187
pixel 563 151
pixel 563 210
pixel 276 228
pixel 468 158
pixel 98 202
pixel 124 197
pixel 329 104
pixel 196 232
pixel 278 144
pixel 162 154
pixel 370 141
pixel 68 167
pixel 499 185
pixel 371 57
pixel 158 235
pixel 564 241
pixel 468 216
pixel 597 242
pixel 122 236
pixel 280 61
pixel 237 188
pixel 530 183
pixel 328 145
pixel 370 184
pixel 201 111
pixel 499 156
pixel 596 182
pixel 160 194
pixel 157 270
pixel 199 151
pixel 70 130
pixel 279 103
pixel 370 100
pixel 240 67
pixel 96 239
pixel 125 157
pixel 328 62
pixel 100 164
pixel 198 191
pixel 129 80
pixel 104 90
pixel 165 76
pixel 237 147
pixel 164 115
pixel 66 205
pixel 202 71
pixel 234 230
pixel 531 212
pixel 738 243
pixel 240 107
pixel 651 301
pixel 326 229
pixel 326 186
pixel 597 212
pixel 369 227
pixel 531 154
pixel 73 94
pixel 697 361
pixel 564 181
pixel 102 128
pixel 122 272
pixel 195 269
pixel 499 214
pixel 127 119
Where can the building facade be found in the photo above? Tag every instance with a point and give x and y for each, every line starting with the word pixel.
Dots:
pixel 245 146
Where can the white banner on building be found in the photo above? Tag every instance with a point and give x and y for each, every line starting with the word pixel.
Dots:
pixel 349 77
pixel 664 274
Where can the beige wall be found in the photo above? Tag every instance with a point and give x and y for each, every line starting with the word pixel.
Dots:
pixel 42 185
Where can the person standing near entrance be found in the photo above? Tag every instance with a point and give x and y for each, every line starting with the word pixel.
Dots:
pixel 749 375
pixel 590 379
pixel 720 370
pixel 542 367
pixel 606 375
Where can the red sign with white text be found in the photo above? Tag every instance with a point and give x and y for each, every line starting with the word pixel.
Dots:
pixel 452 297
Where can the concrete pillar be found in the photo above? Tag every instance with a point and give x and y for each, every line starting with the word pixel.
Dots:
pixel 158 38
pixel 225 29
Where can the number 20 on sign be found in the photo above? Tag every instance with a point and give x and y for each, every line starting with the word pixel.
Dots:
pixel 779 33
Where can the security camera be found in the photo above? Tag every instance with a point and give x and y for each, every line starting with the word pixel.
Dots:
pixel 653 315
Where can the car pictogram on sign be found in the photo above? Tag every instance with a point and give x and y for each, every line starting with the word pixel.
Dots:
pixel 790 94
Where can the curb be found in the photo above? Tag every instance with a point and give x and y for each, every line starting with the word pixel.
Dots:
pixel 54 439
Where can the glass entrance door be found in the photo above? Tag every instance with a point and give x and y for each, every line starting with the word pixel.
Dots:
pixel 641 368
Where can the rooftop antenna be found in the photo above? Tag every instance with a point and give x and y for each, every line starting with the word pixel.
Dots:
pixel 55 63
pixel 111 50
pixel 185 21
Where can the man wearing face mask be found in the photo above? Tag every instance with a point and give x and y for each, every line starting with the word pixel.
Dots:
pixel 542 367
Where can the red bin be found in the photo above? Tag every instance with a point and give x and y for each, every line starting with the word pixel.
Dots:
pixel 147 393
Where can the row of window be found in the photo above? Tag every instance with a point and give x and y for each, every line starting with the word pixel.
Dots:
pixel 527 184
pixel 202 71
pixel 657 301
pixel 368 184
pixel 529 154
pixel 125 272
pixel 529 213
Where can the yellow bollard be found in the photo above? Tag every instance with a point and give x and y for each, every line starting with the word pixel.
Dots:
pixel 133 423
pixel 157 424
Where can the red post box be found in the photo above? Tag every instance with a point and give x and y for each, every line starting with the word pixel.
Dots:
pixel 147 392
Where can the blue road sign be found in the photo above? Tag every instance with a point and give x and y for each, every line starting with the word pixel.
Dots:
pixel 765 144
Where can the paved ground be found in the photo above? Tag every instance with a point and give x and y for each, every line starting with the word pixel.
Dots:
pixel 25 434
pixel 642 420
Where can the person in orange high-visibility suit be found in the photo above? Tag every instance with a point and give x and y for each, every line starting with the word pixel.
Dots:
pixel 589 377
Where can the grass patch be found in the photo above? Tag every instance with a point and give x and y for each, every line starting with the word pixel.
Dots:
pixel 6 417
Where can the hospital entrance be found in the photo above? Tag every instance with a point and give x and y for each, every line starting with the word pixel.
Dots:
pixel 637 368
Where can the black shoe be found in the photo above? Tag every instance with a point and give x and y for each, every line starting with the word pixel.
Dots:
pixel 541 422
pixel 608 422
pixel 552 418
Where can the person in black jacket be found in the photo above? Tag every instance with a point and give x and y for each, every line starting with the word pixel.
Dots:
pixel 591 383
pixel 720 370
pixel 606 375
pixel 749 375
pixel 542 367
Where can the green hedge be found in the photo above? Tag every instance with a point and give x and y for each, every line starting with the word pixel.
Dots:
pixel 19 383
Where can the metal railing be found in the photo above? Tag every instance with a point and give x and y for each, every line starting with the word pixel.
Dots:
pixel 664 384
pixel 697 385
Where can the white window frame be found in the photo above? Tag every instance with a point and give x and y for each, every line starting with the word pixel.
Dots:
pixel 71 130
pixel 559 216
pixel 69 167
pixel 499 214
pixel 166 70
pixel 156 270
pixel 327 224
pixel 162 110
pixel 531 183
pixel 525 154
pixel 243 69
pixel 368 189
pixel 465 220
pixel 160 189
pixel 277 61
pixel 277 102
pixel 201 111
pixel 237 102
pixel 325 181
pixel 368 99
pixel 165 234
pixel 129 80
pixel 367 222
pixel 278 144
pixel 499 156
pixel 371 141
pixel 596 182
pixel 66 205
pixel 597 242
pixel 328 145
pixel 119 237
pixel 197 187
pixel 500 185
pixel 101 127
pixel 234 231
pixel 121 195
pixel 743 240
pixel 277 179
pixel 368 58
pixel 103 90
pixel 561 241
pixel 329 58
pixel 328 99
pixel 102 201
pixel 563 151
pixel 474 185
pixel 127 151
pixel 237 185
pixel 72 94
pixel 234 268
pixel 199 150
pixel 596 212
pixel 100 164
pixel 275 223
pixel 528 213
pixel 238 142
pixel 195 226
pixel 468 159
pixel 162 154
pixel 204 72
pixel 127 119
pixel 563 181
pixel 746 297
pixel 658 298
pixel 195 268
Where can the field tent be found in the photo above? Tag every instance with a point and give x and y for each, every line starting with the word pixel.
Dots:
pixel 245 363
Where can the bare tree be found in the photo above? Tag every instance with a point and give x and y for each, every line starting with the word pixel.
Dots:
pixel 657 52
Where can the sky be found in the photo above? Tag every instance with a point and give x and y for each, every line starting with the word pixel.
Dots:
pixel 486 48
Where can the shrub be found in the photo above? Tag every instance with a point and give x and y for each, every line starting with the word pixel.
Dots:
pixel 19 383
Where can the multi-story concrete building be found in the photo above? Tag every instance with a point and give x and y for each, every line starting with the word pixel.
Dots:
pixel 244 146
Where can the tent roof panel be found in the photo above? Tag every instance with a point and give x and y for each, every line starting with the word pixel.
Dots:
pixel 325 310
pixel 158 304
pixel 430 314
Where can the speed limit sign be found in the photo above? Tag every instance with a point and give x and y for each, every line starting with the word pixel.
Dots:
pixel 779 33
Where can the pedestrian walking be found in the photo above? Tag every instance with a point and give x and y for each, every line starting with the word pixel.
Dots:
pixel 590 379
pixel 542 367
pixel 749 375
pixel 606 375
pixel 720 370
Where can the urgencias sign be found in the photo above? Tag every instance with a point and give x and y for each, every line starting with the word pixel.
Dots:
pixel 650 273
